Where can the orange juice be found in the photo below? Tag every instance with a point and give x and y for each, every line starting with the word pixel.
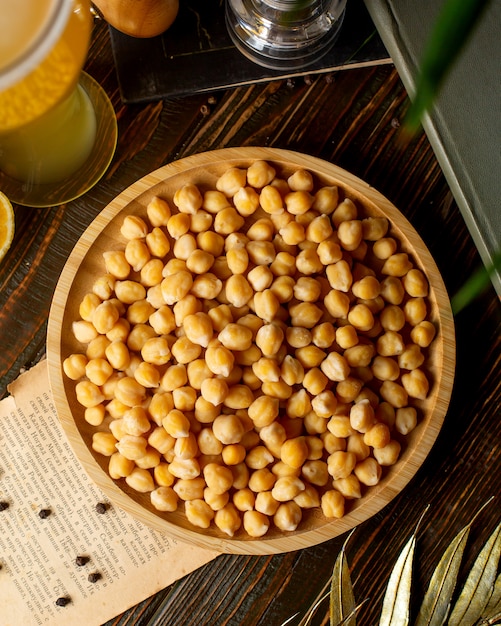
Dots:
pixel 42 50
pixel 47 122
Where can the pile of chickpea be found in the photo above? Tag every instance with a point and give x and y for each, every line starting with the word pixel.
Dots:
pixel 254 352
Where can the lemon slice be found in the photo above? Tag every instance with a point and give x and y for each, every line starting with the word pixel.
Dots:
pixel 6 224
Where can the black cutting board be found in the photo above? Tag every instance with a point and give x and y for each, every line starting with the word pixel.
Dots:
pixel 197 55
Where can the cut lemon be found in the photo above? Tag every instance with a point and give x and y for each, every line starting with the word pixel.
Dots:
pixel 6 224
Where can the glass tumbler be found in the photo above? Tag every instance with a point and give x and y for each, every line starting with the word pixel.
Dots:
pixel 284 34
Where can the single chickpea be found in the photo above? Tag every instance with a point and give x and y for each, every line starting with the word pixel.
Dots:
pixel 160 404
pixel 134 227
pixel 345 210
pixel 389 454
pixel 323 335
pixel 298 405
pixel 288 516
pixel 94 415
pixel 348 487
pixel 269 339
pixel 158 243
pixel 228 220
pixel 283 287
pixel 239 397
pixel 415 311
pixel 348 390
pixel 216 501
pixel 176 424
pixel 198 328
pixel 200 222
pixel 392 290
pixel 416 283
pixel 341 463
pixel 88 394
pixel 104 286
pixel 339 276
pixel 214 390
pixel 238 291
pixel 308 262
pixel 332 504
pixel 271 200
pixel 298 202
pixel 104 443
pixel 211 242
pixel 178 225
pixel 329 252
pixel 397 264
pixel 324 404
pixel 423 333
pixel 360 316
pixel 411 358
pixel 164 498
pixel 147 375
pixel 116 264
pixel 185 469
pixel 256 524
pixel 390 343
pixel 294 452
pixel 416 384
pixel 119 466
pixel 326 199
pixel 156 350
pixel 335 367
pixel 139 312
pixel 385 368
pixel 88 305
pixel 260 173
pixel 315 381
pixel 185 351
pixel 140 480
pixel 305 314
pixel 199 513
pixel 246 201
pixel 337 304
pixel 231 181
pixel 394 394
pixel 362 416
pixel 158 211
pixel 310 356
pixel 74 366
pixel 350 234
pixel 368 472
pixel 261 480
pixel 378 436
pixel 188 199
pixel 374 228
pixel 228 428
pixel 228 519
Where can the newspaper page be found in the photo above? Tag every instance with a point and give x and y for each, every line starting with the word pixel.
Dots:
pixel 67 555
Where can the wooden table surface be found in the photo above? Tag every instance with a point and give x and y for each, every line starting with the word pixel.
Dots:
pixel 351 119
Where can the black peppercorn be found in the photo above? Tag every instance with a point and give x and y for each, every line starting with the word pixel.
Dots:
pixel 62 601
pixel 94 577
pixel 101 507
pixel 81 560
pixel 4 505
pixel 44 513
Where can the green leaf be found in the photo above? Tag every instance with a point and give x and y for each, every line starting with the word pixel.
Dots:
pixel 436 602
pixel 342 599
pixel 479 585
pixel 494 605
pixel 454 24
pixel 397 598
pixel 474 286
pixel 395 611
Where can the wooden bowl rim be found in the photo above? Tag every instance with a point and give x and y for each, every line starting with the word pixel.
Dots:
pixel 377 497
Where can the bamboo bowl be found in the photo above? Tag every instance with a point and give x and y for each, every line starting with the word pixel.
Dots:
pixel 85 264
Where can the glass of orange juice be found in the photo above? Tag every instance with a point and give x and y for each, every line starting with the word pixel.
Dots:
pixel 57 126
